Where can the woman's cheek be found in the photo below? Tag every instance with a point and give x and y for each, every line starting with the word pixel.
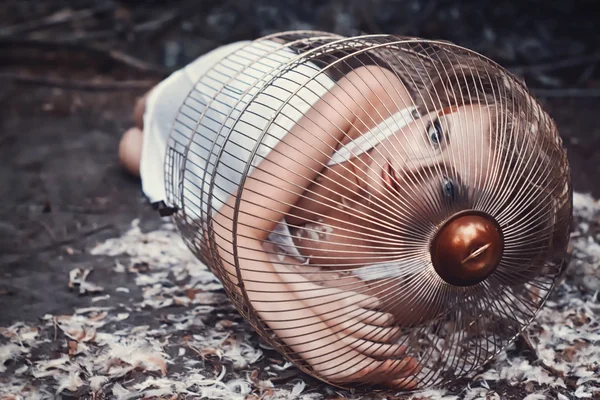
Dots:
pixel 374 183
pixel 421 199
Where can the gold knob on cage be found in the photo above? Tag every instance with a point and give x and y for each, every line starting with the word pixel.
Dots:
pixel 467 248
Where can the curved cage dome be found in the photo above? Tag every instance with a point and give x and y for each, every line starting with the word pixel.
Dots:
pixel 386 212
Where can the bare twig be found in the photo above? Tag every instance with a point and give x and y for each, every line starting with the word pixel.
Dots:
pixel 55 328
pixel 10 44
pixel 48 230
pixel 567 92
pixel 75 209
pixel 554 65
pixel 526 343
pixel 136 63
pixel 74 239
pixel 144 27
pixel 91 86
pixel 157 24
pixel 587 74
pixel 57 18
pixel 88 36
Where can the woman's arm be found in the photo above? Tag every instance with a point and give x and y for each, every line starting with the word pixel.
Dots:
pixel 359 100
pixel 337 336
pixel 386 95
pixel 281 178
pixel 271 190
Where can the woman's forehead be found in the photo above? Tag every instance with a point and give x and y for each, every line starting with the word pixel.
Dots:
pixel 465 121
pixel 471 112
pixel 466 112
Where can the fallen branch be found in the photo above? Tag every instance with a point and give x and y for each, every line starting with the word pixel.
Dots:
pixel 559 64
pixel 55 19
pixel 20 255
pixel 567 92
pixel 90 86
pixel 64 242
pixel 531 353
pixel 11 44
pixel 144 27
pixel 164 20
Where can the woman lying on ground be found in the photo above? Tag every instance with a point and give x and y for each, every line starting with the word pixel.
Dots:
pixel 317 182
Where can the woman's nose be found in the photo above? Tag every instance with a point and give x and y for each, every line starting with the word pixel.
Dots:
pixel 417 166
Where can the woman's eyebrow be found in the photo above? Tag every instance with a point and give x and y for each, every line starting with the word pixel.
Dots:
pixel 435 171
pixel 450 168
pixel 447 110
pixel 446 131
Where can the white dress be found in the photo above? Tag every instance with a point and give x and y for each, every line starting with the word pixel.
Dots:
pixel 226 111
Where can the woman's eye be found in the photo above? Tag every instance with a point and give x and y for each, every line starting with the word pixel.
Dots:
pixel 435 133
pixel 448 188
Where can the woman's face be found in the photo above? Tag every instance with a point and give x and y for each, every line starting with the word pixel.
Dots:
pixel 430 164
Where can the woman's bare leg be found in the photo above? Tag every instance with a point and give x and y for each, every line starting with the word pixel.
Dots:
pixel 130 150
pixel 130 146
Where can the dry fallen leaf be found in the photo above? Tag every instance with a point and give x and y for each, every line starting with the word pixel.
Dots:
pixel 105 350
pixel 72 348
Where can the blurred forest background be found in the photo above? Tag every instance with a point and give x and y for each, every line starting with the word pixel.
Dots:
pixel 98 38
pixel 70 72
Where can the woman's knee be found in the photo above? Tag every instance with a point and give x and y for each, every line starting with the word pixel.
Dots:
pixel 130 150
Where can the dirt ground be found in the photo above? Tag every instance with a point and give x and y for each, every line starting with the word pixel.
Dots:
pixel 61 113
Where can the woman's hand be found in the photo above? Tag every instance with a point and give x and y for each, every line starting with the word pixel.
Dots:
pixel 336 330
